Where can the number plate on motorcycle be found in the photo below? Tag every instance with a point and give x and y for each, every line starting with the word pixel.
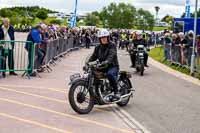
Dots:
pixel 141 54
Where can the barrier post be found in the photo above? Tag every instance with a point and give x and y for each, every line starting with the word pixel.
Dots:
pixel 17 55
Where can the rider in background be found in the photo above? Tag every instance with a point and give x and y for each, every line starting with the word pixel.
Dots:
pixel 123 40
pixel 139 41
pixel 106 53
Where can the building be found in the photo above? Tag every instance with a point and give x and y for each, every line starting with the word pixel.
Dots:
pixel 64 15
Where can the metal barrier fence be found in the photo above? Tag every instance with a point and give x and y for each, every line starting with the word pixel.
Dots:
pixel 181 56
pixel 53 50
pixel 14 57
pixel 32 58
pixel 94 40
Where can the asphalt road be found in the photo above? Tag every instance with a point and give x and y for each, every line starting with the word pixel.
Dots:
pixel 163 103
pixel 40 105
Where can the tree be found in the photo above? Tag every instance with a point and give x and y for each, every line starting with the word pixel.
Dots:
pixel 42 14
pixel 118 16
pixel 5 13
pixel 192 14
pixel 183 15
pixel 56 21
pixel 92 20
pixel 145 20
pixel 167 19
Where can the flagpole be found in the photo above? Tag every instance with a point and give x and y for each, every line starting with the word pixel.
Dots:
pixel 75 13
pixel 194 39
pixel 73 17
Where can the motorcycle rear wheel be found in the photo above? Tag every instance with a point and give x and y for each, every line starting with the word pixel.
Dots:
pixel 142 70
pixel 76 102
pixel 125 91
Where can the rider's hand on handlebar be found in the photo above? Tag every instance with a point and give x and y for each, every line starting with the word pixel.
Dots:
pixel 102 64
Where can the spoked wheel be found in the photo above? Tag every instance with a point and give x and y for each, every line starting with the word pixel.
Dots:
pixel 124 89
pixel 137 69
pixel 80 98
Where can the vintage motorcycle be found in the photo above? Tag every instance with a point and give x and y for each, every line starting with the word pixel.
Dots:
pixel 139 58
pixel 93 88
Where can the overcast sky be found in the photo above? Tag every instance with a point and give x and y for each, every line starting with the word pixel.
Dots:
pixel 172 7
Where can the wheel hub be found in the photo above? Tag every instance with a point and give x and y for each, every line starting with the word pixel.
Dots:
pixel 81 97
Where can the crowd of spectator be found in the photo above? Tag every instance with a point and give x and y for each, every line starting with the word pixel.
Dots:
pixel 41 35
pixel 178 47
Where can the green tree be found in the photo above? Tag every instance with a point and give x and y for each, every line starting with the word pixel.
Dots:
pixel 192 14
pixel 5 13
pixel 145 20
pixel 56 21
pixel 92 20
pixel 42 14
pixel 118 15
pixel 167 19
pixel 13 20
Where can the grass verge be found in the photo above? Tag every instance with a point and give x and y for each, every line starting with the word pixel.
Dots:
pixel 157 54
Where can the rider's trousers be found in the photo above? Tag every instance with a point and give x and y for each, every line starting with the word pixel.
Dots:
pixel 112 75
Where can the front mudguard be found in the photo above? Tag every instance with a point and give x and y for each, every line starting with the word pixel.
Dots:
pixel 71 83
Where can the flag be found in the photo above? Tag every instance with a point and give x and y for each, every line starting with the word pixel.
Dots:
pixel 187 9
pixel 73 18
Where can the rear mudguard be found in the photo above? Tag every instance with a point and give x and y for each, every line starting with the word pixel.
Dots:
pixel 123 75
pixel 129 82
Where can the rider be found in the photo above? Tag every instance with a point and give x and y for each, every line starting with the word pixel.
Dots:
pixel 139 41
pixel 106 53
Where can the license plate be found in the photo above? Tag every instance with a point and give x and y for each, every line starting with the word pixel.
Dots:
pixel 141 54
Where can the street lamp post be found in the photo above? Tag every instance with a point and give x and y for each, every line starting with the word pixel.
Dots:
pixel 194 39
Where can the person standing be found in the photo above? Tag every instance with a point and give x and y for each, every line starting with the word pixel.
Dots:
pixel 188 47
pixel 197 50
pixel 183 43
pixel 87 39
pixel 35 38
pixel 167 46
pixel 7 49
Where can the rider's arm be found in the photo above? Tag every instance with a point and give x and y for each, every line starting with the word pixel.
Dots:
pixel 111 55
pixel 94 55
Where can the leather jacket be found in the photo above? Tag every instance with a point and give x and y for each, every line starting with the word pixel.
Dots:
pixel 106 54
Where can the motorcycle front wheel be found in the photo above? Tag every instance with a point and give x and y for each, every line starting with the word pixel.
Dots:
pixel 80 98
pixel 142 70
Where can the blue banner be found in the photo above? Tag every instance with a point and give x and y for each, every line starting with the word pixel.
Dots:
pixel 73 18
pixel 187 9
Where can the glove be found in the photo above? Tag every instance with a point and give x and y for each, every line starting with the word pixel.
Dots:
pixel 104 63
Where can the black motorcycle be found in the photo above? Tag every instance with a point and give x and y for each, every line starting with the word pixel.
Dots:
pixel 139 53
pixel 93 88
